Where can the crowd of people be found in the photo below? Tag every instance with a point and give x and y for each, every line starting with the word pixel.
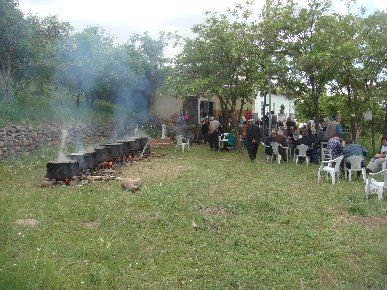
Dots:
pixel 288 135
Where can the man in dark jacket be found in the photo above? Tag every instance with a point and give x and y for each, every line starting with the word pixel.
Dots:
pixel 252 139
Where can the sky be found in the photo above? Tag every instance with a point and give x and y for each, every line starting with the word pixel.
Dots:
pixel 121 18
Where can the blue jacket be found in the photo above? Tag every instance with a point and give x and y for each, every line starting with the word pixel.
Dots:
pixel 354 149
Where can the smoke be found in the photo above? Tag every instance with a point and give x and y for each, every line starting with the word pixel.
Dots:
pixel 103 77
pixel 132 106
pixel 62 156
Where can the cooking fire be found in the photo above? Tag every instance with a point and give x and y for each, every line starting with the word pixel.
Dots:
pixel 103 159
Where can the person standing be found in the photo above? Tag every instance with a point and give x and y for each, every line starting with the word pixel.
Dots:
pixel 214 133
pixel 274 120
pixel 205 128
pixel 244 132
pixel 339 126
pixel 253 137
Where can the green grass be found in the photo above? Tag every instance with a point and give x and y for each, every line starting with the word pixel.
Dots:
pixel 256 226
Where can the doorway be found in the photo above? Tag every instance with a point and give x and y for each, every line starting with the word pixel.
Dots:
pixel 206 108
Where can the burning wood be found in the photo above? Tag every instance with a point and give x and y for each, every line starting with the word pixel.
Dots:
pixel 96 165
pixel 106 165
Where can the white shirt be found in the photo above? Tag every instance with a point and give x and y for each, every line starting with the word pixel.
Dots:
pixel 384 149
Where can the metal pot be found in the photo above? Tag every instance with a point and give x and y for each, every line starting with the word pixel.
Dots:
pixel 102 154
pixel 80 158
pixel 62 170
pixel 116 150
pixel 86 160
pixel 127 148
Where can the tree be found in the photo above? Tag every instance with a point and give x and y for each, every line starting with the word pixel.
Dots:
pixel 219 61
pixel 307 42
pixel 15 43
pixel 48 35
pixel 360 65
pixel 83 61
pixel 146 59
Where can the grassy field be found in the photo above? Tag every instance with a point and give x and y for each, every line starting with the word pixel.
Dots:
pixel 54 106
pixel 202 219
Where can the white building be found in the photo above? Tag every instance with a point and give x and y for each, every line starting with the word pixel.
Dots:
pixel 276 102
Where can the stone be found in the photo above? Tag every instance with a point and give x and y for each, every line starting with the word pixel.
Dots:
pixel 132 185
pixel 27 222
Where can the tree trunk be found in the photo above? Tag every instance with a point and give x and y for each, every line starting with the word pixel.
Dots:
pixel 5 83
pixel 315 98
pixel 352 121
pixel 385 121
pixel 6 79
pixel 236 125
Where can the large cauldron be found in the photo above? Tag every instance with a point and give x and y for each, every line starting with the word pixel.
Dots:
pixel 136 143
pixel 85 160
pixel 127 147
pixel 143 141
pixel 117 150
pixel 102 154
pixel 62 170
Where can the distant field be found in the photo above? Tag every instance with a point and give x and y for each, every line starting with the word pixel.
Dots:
pixel 201 220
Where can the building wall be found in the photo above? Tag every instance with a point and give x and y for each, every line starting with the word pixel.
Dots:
pixel 218 111
pixel 165 106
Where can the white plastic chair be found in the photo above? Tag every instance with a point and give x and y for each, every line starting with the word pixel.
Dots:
pixel 275 146
pixel 180 143
pixel 376 187
pixel 268 157
pixel 223 139
pixel 355 166
pixel 326 154
pixel 330 169
pixel 288 151
pixel 301 153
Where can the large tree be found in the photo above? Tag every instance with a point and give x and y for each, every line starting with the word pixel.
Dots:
pixel 359 65
pixel 307 41
pixel 15 44
pixel 219 61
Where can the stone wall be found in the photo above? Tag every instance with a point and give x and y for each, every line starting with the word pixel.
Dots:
pixel 27 137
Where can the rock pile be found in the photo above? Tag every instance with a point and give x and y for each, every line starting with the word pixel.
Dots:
pixel 15 139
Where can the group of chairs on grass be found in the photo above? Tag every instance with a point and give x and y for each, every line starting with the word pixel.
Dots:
pixel 324 147
pixel 332 160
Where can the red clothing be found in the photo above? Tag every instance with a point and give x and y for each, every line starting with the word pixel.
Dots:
pixel 248 115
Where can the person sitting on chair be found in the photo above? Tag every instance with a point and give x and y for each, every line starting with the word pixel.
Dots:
pixel 378 159
pixel 280 139
pixel 335 144
pixel 352 149
pixel 293 137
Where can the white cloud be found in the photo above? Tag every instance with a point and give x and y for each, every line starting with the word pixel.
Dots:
pixel 130 16
pixel 124 17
